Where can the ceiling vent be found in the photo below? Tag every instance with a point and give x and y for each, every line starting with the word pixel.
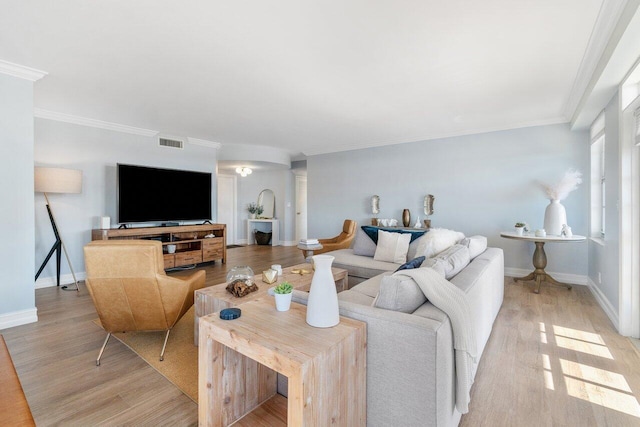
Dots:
pixel 171 143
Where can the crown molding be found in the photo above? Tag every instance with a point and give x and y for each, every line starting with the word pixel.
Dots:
pixel 84 121
pixel 204 143
pixel 348 147
pixel 21 71
pixel 596 54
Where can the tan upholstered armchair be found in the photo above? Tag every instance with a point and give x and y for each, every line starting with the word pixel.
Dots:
pixel 342 241
pixel 131 291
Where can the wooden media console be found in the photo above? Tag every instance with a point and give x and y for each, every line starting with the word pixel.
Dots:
pixel 191 244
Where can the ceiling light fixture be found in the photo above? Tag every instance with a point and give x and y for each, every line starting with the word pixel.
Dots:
pixel 244 171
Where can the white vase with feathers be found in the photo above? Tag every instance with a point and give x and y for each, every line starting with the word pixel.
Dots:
pixel 555 215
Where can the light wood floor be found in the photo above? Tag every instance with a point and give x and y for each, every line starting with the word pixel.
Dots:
pixel 552 359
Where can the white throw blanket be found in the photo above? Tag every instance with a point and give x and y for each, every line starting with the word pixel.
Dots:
pixel 453 301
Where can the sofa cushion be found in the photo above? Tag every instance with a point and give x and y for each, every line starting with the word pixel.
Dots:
pixel 371 287
pixel 451 261
pixel 437 240
pixel 399 293
pixel 437 264
pixel 362 267
pixel 413 248
pixel 355 297
pixel 392 247
pixel 476 245
pixel 363 244
pixel 414 263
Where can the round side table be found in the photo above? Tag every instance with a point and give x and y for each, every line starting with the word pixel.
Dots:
pixel 540 257
pixel 307 250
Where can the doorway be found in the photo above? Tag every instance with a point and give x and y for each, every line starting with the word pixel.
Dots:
pixel 301 207
pixel 227 205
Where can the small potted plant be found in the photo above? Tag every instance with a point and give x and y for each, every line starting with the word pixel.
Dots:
pixel 255 210
pixel 283 293
pixel 521 227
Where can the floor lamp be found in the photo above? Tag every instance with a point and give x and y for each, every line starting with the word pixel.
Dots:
pixel 57 180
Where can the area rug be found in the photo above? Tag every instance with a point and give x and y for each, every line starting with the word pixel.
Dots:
pixel 180 364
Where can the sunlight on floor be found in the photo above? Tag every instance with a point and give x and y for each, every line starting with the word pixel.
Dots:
pixel 543 334
pixel 595 385
pixel 584 347
pixel 574 339
pixel 595 375
pixel 578 335
pixel 603 396
pixel 548 376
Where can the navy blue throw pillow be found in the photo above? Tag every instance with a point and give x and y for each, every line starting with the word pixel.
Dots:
pixel 372 232
pixel 414 263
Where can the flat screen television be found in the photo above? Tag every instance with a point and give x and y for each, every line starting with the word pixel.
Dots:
pixel 147 194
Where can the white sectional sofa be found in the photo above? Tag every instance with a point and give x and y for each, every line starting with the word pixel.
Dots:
pixel 410 356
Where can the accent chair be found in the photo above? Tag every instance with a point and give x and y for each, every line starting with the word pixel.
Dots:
pixel 341 241
pixel 131 291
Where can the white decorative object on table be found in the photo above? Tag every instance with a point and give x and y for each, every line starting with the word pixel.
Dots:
pixel 418 224
pixel 322 306
pixel 555 215
pixel 566 231
pixel 278 268
pixel 541 233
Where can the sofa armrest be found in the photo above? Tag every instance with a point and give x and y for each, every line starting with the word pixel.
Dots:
pixel 410 372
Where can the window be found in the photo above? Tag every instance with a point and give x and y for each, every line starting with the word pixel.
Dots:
pixel 598 178
pixel 637 116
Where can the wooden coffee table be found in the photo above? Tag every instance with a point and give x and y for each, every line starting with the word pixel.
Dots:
pixel 215 298
pixel 238 361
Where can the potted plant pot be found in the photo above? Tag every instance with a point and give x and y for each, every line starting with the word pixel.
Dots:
pixel 283 301
pixel 283 293
pixel 520 228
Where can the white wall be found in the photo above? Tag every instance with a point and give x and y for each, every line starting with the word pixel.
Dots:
pixel 96 152
pixel 482 183
pixel 604 258
pixel 17 298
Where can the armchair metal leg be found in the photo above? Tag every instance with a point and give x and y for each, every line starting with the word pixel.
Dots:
pixel 106 340
pixel 166 338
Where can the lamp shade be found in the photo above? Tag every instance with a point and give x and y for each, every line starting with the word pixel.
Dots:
pixel 57 180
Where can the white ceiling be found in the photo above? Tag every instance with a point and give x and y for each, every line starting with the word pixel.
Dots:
pixel 306 76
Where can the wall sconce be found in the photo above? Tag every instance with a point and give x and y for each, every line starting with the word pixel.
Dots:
pixel 375 209
pixel 428 208
pixel 243 171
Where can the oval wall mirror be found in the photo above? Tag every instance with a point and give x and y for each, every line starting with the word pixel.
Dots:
pixel 267 199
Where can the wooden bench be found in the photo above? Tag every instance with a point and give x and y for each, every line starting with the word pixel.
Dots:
pixel 14 409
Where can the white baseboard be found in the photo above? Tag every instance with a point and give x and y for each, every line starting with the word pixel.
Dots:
pixel 574 279
pixel 65 279
pixel 604 303
pixel 241 242
pixel 17 318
